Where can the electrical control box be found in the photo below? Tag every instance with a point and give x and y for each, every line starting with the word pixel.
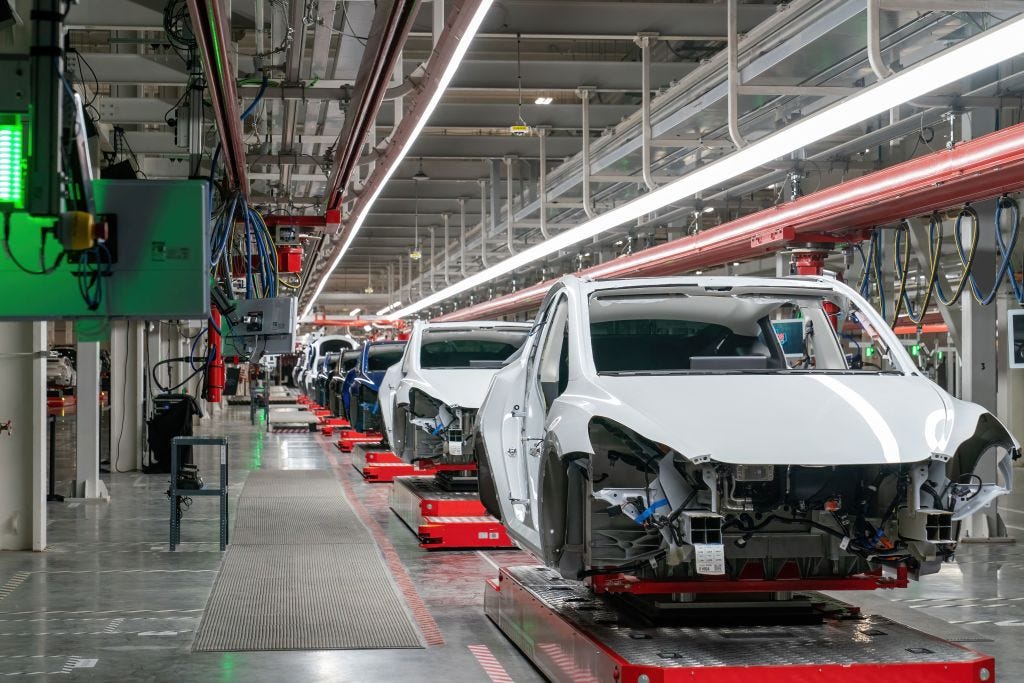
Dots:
pixel 159 263
pixel 261 327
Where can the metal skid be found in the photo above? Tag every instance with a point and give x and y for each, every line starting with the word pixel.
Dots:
pixel 444 520
pixel 572 635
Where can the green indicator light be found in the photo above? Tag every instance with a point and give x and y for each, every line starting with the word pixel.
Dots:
pixel 915 350
pixel 941 355
pixel 870 351
pixel 12 162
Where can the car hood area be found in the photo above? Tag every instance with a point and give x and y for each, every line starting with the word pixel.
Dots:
pixel 806 419
pixel 462 387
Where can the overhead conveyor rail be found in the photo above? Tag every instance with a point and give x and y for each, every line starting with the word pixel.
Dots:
pixel 971 171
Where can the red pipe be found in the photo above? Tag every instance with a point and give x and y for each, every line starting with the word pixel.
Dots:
pixel 211 31
pixel 215 374
pixel 381 56
pixel 980 169
pixel 330 216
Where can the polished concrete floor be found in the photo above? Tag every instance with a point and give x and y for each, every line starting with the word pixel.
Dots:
pixel 107 601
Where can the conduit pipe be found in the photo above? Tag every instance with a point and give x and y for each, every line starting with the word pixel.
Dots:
pixel 447 274
pixel 644 40
pixel 433 266
pixel 542 181
pixel 293 74
pixel 462 240
pixel 733 70
pixel 510 223
pixel 391 25
pixel 979 169
pixel 584 94
pixel 210 30
pixel 882 71
pixel 483 223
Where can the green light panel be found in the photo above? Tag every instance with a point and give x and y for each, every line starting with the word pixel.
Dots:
pixel 12 189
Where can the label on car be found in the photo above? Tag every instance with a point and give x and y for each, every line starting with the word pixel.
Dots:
pixel 709 558
pixel 455 448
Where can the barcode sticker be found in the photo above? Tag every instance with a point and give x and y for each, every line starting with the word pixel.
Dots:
pixel 710 558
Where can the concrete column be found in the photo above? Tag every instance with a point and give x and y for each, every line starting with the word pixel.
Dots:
pixel 126 396
pixel 87 482
pixel 23 452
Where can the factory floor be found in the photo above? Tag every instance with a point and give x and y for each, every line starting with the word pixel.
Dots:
pixel 108 601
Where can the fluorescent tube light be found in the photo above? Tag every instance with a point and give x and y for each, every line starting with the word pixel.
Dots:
pixel 461 46
pixel 355 311
pixel 544 100
pixel 390 307
pixel 985 50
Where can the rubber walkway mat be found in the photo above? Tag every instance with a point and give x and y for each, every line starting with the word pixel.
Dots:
pixel 302 573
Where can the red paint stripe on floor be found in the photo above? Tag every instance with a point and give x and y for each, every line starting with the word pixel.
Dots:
pixel 490 664
pixel 431 632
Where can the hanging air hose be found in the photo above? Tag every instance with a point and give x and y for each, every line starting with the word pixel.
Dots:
pixel 966 263
pixel 1006 255
pixel 1006 240
pixel 901 261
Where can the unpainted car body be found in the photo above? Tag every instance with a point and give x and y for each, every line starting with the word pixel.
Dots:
pixel 315 356
pixel 341 379
pixel 429 400
pixel 375 359
pixel 656 427
pixel 60 372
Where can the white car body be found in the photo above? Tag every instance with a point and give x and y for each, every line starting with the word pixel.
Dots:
pixel 451 395
pixel 705 436
pixel 59 371
pixel 314 357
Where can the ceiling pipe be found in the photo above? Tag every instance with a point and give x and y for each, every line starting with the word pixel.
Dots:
pixel 462 239
pixel 542 181
pixel 644 41
pixel 979 169
pixel 293 74
pixel 483 223
pixel 401 283
pixel 447 274
pixel 495 175
pixel 584 94
pixel 882 71
pixel 510 223
pixel 433 265
pixel 211 30
pixel 733 70
pixel 391 25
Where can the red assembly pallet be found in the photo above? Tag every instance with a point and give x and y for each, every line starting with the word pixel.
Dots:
pixel 349 439
pixel 371 454
pixel 445 520
pixel 573 635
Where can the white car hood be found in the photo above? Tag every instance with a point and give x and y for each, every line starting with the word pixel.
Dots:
pixel 462 387
pixel 814 419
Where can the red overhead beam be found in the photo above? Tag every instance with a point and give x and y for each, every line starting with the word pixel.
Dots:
pixel 971 171
pixel 211 31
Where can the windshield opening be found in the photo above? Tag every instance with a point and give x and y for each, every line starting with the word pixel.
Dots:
pixel 382 357
pixel 724 332
pixel 461 348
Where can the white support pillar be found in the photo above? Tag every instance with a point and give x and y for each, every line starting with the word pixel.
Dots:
pixel 23 452
pixel 126 395
pixel 87 483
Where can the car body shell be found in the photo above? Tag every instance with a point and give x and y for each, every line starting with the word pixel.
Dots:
pixel 848 419
pixel 462 388
pixel 364 386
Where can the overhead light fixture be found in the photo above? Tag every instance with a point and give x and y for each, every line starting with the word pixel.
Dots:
pixel 461 46
pixel 355 311
pixel 544 100
pixel 709 209
pixel 983 51
pixel 390 307
pixel 420 175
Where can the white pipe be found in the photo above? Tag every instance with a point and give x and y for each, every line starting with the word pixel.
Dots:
pixel 483 223
pixel 462 242
pixel 882 71
pixel 645 109
pixel 588 207
pixel 447 275
pixel 542 190
pixel 732 66
pixel 433 287
pixel 508 203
